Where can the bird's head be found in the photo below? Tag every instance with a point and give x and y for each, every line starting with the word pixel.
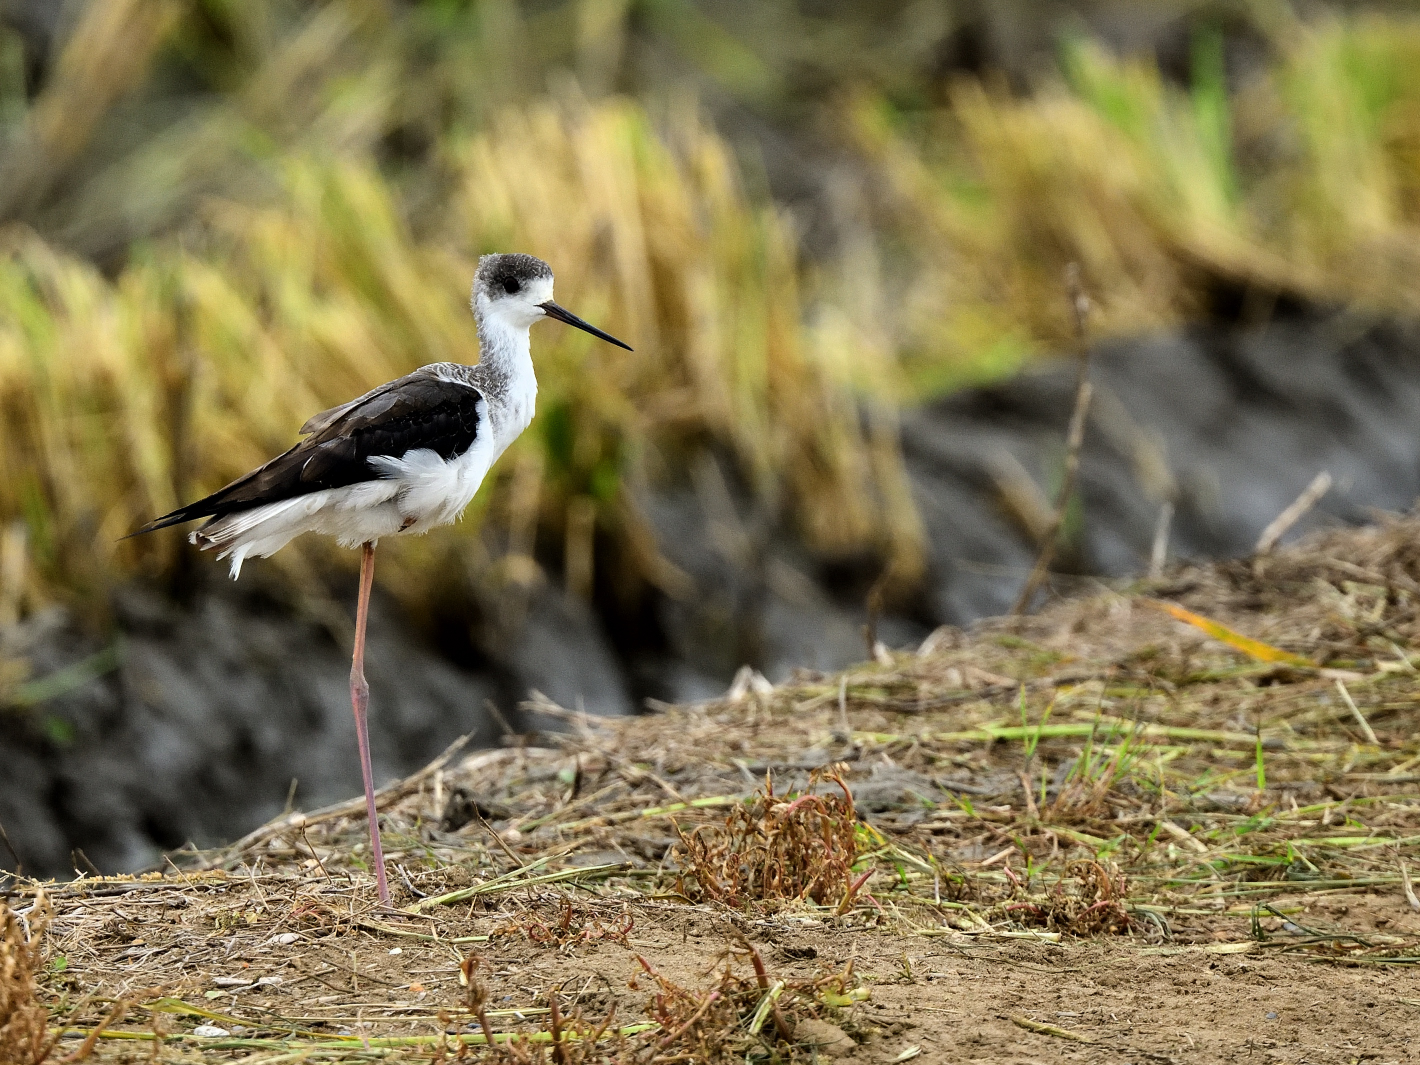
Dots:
pixel 515 291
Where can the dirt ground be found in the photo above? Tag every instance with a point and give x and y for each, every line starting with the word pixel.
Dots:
pixel 957 999
pixel 1166 823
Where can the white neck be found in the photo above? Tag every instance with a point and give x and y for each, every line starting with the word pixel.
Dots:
pixel 505 354
pixel 504 347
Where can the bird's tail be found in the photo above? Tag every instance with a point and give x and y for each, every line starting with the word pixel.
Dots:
pixel 201 509
pixel 260 531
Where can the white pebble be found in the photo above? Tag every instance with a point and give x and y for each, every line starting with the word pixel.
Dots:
pixel 210 1031
pixel 285 939
pixel 397 950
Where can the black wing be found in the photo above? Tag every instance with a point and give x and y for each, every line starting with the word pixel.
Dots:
pixel 414 412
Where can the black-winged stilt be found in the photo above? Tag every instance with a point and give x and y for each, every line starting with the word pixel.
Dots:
pixel 402 458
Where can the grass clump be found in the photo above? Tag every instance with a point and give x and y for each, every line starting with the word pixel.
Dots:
pixel 774 848
pixel 1090 900
pixel 24 1031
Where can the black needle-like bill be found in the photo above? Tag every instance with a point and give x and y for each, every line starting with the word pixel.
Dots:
pixel 562 314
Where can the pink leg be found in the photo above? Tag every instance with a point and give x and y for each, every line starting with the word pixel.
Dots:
pixel 359 701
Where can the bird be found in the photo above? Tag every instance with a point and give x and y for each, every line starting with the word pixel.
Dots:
pixel 402 459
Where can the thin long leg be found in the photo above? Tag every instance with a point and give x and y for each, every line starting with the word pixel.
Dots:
pixel 359 701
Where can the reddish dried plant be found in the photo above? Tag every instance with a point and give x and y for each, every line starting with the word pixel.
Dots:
pixel 701 1024
pixel 774 848
pixel 1090 902
pixel 574 926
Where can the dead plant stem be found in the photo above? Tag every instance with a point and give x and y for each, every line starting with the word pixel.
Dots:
pixel 1084 392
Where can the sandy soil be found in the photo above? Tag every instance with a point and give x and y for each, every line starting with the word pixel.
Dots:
pixel 955 999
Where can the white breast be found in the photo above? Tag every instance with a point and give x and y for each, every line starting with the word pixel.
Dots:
pixel 519 404
pixel 434 491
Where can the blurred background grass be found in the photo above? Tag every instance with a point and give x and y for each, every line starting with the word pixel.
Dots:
pixel 218 216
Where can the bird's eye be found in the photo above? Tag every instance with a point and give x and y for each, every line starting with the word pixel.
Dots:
pixel 511 285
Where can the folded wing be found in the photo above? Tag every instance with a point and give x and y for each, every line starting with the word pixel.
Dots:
pixel 421 411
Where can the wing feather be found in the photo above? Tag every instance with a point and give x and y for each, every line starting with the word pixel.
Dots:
pixel 420 411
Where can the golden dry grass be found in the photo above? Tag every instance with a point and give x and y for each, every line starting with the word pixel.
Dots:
pixel 1299 183
pixel 304 272
pixel 127 396
pixel 287 258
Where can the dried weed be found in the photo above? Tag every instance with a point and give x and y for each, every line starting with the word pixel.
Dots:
pixel 1088 901
pixel 774 848
pixel 573 927
pixel 568 1040
pixel 24 1034
pixel 723 1021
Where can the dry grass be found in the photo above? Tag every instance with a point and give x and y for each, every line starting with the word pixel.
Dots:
pixel 567 1041
pixel 24 1020
pixel 1101 773
pixel 1300 184
pixel 736 1016
pixel 201 365
pixel 774 847
pixel 305 274
pixel 574 927
pixel 1090 900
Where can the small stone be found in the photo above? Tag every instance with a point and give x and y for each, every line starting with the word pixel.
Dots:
pixel 210 1031
pixel 396 950
pixel 827 1039
pixel 285 939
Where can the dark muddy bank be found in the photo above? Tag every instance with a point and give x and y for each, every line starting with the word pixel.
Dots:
pixel 212 709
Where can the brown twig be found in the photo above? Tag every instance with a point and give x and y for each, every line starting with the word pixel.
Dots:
pixel 1084 392
pixel 498 839
pixel 310 847
pixel 710 1000
pixel 559 1052
pixel 5 836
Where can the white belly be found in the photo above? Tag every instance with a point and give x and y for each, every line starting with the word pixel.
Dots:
pixel 433 491
pixel 413 494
